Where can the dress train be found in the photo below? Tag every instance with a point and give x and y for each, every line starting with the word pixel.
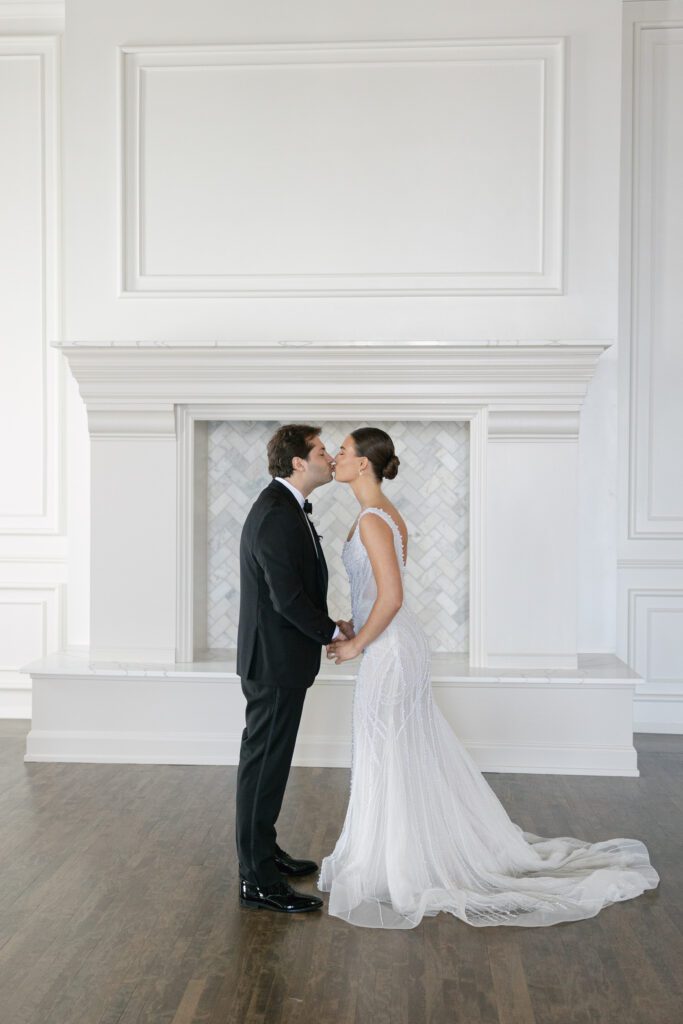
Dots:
pixel 424 832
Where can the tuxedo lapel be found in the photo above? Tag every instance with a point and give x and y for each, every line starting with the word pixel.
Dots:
pixel 308 528
pixel 321 559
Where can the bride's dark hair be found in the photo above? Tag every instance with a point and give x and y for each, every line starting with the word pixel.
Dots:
pixel 378 449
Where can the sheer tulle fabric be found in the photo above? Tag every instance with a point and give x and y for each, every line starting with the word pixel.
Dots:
pixel 424 832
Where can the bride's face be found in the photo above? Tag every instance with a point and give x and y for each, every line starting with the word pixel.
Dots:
pixel 347 462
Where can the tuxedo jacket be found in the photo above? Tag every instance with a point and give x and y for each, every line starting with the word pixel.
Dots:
pixel 283 621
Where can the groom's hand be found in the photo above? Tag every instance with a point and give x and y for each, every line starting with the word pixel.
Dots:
pixel 346 628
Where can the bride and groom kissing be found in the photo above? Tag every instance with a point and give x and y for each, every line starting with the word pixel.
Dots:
pixel 283 625
pixel 423 831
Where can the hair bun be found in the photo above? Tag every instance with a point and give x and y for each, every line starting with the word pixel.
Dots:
pixel 376 446
pixel 391 468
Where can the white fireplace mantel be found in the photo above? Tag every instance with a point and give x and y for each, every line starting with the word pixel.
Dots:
pixel 148 404
pixel 418 379
pixel 522 539
pixel 527 395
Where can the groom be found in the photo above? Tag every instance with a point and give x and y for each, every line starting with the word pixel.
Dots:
pixel 283 626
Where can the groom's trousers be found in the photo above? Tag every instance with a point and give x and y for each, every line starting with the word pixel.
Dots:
pixel 272 721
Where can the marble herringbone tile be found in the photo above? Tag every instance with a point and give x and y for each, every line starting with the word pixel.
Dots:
pixel 431 490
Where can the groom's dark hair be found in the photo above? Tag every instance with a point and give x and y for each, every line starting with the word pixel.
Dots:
pixel 293 440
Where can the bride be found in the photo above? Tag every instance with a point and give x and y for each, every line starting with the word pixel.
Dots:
pixel 424 832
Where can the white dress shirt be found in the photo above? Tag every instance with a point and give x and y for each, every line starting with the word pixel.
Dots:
pixel 300 498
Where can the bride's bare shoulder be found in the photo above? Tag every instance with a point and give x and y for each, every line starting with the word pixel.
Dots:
pixel 393 512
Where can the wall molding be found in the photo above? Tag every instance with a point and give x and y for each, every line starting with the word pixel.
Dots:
pixel 135 62
pixel 643 522
pixel 34 537
pixel 50 598
pixel 32 16
pixel 525 425
pixel 650 536
pixel 650 563
pixel 46 51
pixel 638 600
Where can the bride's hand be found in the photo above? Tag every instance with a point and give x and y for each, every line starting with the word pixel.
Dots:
pixel 343 650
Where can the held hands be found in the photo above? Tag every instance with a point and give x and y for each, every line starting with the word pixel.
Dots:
pixel 343 650
pixel 346 628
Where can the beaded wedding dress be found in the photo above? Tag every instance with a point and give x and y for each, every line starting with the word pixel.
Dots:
pixel 424 832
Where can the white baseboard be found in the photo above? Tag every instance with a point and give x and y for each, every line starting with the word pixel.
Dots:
pixel 660 712
pixel 665 728
pixel 15 702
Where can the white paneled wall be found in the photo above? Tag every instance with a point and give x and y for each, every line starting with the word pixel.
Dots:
pixel 307 151
pixel 650 603
pixel 33 566
pixel 399 171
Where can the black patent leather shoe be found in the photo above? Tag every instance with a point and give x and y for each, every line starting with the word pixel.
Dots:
pixel 287 865
pixel 280 897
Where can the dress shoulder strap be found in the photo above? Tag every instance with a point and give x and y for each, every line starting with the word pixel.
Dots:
pixel 383 514
pixel 378 511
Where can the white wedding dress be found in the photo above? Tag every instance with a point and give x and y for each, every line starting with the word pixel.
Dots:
pixel 424 832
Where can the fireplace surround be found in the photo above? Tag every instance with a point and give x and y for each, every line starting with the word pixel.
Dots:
pixel 523 697
pixel 431 489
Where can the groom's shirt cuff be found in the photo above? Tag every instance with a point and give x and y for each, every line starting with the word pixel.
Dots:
pixel 337 633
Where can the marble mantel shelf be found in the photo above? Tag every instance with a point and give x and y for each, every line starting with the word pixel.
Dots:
pixel 592 670
pixel 422 379
pixel 344 343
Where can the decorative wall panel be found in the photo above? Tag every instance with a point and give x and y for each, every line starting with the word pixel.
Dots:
pixel 650 552
pixel 655 483
pixel 345 168
pixel 31 403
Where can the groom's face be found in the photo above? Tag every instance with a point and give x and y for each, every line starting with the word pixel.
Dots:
pixel 318 466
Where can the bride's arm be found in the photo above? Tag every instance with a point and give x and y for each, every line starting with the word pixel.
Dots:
pixel 378 541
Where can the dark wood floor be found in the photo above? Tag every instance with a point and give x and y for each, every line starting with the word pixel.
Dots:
pixel 118 904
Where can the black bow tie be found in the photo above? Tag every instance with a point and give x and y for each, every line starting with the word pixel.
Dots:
pixel 308 508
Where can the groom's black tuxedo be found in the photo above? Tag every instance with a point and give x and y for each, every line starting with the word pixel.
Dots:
pixel 283 593
pixel 282 627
